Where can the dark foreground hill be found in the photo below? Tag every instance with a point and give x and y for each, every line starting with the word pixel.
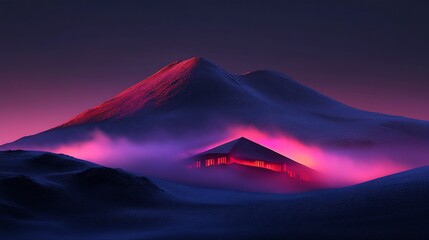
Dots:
pixel 47 196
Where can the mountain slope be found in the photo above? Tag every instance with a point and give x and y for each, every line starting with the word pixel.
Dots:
pixel 193 104
pixel 193 91
pixel 199 83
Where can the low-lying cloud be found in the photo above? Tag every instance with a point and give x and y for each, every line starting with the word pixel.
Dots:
pixel 163 157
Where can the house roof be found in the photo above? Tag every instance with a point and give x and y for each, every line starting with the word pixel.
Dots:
pixel 243 148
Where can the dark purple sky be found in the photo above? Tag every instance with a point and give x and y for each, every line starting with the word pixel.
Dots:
pixel 58 58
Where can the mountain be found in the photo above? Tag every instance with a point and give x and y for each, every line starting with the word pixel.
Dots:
pixel 50 196
pixel 192 104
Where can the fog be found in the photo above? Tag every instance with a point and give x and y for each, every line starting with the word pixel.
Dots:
pixel 165 157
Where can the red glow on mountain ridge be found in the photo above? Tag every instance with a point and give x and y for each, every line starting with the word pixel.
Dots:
pixel 155 90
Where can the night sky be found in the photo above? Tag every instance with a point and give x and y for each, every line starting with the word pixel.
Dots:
pixel 58 58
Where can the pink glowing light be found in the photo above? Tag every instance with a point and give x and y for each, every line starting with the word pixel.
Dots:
pixel 338 167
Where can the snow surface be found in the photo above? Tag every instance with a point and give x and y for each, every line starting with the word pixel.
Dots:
pixel 195 97
pixel 48 196
pixel 192 104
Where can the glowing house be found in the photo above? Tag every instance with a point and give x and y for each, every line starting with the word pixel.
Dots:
pixel 245 152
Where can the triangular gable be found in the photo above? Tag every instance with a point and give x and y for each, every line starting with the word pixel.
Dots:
pixel 244 148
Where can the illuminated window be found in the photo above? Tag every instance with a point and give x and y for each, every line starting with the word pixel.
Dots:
pixel 221 160
pixel 210 162
pixel 259 163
